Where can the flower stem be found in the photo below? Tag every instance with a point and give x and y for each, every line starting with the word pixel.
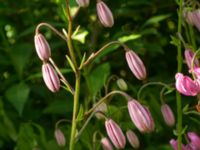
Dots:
pixel 179 66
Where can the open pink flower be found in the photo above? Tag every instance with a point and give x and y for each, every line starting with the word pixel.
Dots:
pixel 186 85
pixel 194 140
pixel 115 134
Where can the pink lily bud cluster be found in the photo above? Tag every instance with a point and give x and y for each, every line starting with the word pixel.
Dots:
pixel 184 84
pixel 44 53
pixel 136 65
pixel 194 142
pixel 193 18
pixel 168 115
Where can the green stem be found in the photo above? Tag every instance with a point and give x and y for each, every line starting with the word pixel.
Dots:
pixel 75 108
pixel 192 37
pixel 178 96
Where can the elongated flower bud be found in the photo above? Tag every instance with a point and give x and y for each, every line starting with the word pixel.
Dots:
pixel 189 54
pixel 186 85
pixel 194 140
pixel 122 84
pixel 136 65
pixel 102 108
pixel 60 138
pixel 141 116
pixel 167 115
pixel 106 144
pixel 50 77
pixel 105 15
pixel 83 3
pixel 196 18
pixel 42 47
pixel 115 134
pixel 133 139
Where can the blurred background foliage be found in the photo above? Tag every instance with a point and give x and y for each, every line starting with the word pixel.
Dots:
pixel 29 111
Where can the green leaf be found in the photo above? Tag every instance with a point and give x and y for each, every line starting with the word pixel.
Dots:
pixel 156 19
pixel 124 39
pixel 70 63
pixel 17 95
pixel 97 78
pixel 80 114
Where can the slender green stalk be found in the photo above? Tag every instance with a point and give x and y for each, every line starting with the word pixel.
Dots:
pixel 178 96
pixel 75 109
pixel 192 37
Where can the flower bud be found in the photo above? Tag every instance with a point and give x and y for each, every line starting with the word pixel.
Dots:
pixel 42 47
pixel 141 116
pixel 105 15
pixel 122 84
pixel 189 54
pixel 167 115
pixel 174 144
pixel 83 3
pixel 189 17
pixel 115 134
pixel 186 85
pixel 194 140
pixel 196 18
pixel 106 144
pixel 60 138
pixel 103 108
pixel 50 77
pixel 133 139
pixel 136 65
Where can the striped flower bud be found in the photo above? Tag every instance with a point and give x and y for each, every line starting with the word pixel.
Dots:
pixel 194 140
pixel 189 54
pixel 83 3
pixel 141 116
pixel 136 65
pixel 106 144
pixel 50 77
pixel 42 47
pixel 115 134
pixel 167 115
pixel 105 15
pixel 133 139
pixel 60 138
pixel 186 86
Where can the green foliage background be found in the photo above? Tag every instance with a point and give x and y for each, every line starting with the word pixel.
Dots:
pixel 29 111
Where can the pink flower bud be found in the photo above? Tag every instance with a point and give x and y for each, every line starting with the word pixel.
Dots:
pixel 189 54
pixel 42 47
pixel 141 116
pixel 194 140
pixel 133 139
pixel 50 77
pixel 189 17
pixel 105 15
pixel 60 138
pixel 102 108
pixel 136 65
pixel 196 18
pixel 186 85
pixel 115 134
pixel 83 3
pixel 167 115
pixel 106 144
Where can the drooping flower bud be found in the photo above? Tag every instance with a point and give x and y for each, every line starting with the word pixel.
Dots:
pixel 60 138
pixel 189 54
pixel 83 3
pixel 141 116
pixel 50 77
pixel 102 108
pixel 122 84
pixel 105 15
pixel 133 139
pixel 115 134
pixel 167 115
pixel 189 17
pixel 194 140
pixel 196 18
pixel 42 47
pixel 106 144
pixel 186 85
pixel 136 65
